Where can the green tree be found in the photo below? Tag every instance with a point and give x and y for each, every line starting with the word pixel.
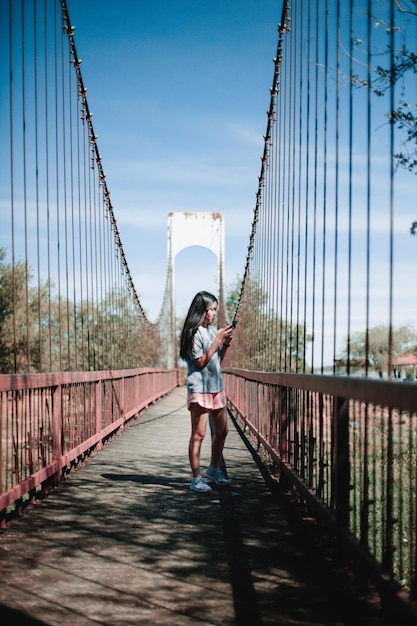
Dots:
pixel 404 339
pixel 264 341
pixel 41 331
pixel 18 318
pixel 232 298
pixel 399 68
pixel 123 339
pixel 402 64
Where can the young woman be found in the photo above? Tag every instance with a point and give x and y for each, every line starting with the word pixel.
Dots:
pixel 203 348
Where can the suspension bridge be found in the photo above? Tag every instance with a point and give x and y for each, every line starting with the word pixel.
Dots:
pixel 321 379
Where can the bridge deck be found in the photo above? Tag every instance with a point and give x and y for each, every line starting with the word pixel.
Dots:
pixel 124 542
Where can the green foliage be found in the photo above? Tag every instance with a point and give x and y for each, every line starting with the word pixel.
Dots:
pixel 374 347
pixel 42 332
pixel 263 340
pixel 232 299
pixel 402 64
pixel 16 315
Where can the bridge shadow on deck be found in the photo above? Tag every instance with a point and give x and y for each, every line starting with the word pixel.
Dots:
pixel 124 542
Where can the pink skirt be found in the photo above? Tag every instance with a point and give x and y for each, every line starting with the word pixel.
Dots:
pixel 207 401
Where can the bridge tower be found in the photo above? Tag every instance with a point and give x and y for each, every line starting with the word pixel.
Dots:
pixel 203 229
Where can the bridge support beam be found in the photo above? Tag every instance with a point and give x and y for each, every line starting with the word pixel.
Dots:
pixel 187 229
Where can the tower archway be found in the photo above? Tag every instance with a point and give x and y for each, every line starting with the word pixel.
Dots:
pixel 186 229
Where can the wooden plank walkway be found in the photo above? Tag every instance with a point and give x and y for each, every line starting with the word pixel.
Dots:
pixel 124 542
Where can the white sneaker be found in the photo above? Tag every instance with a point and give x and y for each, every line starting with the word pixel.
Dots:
pixel 217 476
pixel 199 484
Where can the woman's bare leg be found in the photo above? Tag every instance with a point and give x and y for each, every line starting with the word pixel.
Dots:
pixel 220 430
pixel 198 430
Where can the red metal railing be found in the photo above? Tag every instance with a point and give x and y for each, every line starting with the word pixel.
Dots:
pixel 349 446
pixel 50 421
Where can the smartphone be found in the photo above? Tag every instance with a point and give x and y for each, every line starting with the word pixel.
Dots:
pixel 234 323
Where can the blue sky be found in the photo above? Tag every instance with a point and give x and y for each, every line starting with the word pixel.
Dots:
pixel 179 92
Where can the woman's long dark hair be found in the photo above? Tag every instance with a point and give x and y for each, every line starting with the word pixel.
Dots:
pixel 201 303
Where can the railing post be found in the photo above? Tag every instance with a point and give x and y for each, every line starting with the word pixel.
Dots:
pixel 341 464
pixel 57 430
pixel 98 395
pixel 122 396
pixel 283 429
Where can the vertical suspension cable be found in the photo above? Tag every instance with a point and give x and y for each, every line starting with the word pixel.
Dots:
pixel 12 203
pixel 336 199
pixel 295 81
pixel 66 94
pixel 47 185
pixel 108 276
pixel 38 253
pixel 315 184
pixel 368 191
pixel 97 301
pixel 80 176
pixel 287 187
pixel 254 296
pixel 101 235
pixel 25 206
pixel 87 247
pixel 73 325
pixel 282 203
pixel 113 260
pixel 102 273
pixel 84 217
pixel 57 30
pixel 95 269
pixel 99 266
pixel 350 195
pixel 92 209
pixel 298 176
pixel 268 258
pixel 391 188
pixel 271 363
pixel 390 522
pixel 265 249
pixel 110 295
pixel 274 226
pixel 293 266
pixel 270 186
pixel 307 187
pixel 262 297
pixel 325 140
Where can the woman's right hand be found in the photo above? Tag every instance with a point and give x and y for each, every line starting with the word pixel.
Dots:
pixel 226 334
